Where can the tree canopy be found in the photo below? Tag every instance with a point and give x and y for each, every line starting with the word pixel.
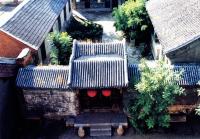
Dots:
pixel 132 18
pixel 157 90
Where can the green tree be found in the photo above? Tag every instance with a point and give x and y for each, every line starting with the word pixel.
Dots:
pixel 132 18
pixel 61 48
pixel 157 90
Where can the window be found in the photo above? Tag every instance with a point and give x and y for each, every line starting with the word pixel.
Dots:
pixel 59 23
pixel 65 15
pixel 69 5
pixel 156 38
pixel 43 52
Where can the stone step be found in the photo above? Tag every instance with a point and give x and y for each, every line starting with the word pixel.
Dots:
pixel 100 133
pixel 100 128
pixel 96 131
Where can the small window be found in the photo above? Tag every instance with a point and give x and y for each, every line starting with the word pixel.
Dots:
pixel 69 5
pixel 65 15
pixel 59 23
pixel 43 52
pixel 156 38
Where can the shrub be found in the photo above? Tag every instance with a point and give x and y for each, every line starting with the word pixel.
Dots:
pixel 157 90
pixel 132 18
pixel 61 48
pixel 54 56
pixel 81 29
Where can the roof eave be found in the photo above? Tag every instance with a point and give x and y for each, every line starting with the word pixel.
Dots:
pixel 100 87
pixel 182 45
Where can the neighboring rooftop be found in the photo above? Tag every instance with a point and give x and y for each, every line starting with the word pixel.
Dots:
pixel 190 75
pixel 32 20
pixel 176 22
pixel 40 77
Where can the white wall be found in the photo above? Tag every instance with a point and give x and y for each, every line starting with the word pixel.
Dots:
pixel 62 20
pixel 156 48
pixel 56 27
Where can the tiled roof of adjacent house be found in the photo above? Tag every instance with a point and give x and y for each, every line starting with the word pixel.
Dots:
pixel 190 75
pixel 43 77
pixel 101 65
pixel 32 22
pixel 176 22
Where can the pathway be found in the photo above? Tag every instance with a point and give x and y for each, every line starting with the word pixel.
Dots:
pixel 105 19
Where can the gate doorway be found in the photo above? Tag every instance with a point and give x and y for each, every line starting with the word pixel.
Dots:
pixel 101 102
pixel 94 5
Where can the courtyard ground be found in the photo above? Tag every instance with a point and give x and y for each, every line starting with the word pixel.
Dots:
pixel 105 19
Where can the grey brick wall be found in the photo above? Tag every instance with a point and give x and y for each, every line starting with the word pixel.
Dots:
pixel 51 103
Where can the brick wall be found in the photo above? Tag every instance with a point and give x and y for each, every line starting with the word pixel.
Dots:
pixel 51 103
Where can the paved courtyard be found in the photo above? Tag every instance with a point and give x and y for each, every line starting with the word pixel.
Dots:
pixel 105 19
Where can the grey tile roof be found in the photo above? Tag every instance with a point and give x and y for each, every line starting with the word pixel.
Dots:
pixel 176 22
pixel 56 77
pixel 33 21
pixel 133 72
pixel 93 49
pixel 190 75
pixel 43 77
pixel 101 65
pixel 98 74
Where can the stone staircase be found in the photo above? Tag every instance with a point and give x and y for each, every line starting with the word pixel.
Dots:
pixel 97 131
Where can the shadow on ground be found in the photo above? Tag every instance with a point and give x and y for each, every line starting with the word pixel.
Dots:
pixel 57 130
